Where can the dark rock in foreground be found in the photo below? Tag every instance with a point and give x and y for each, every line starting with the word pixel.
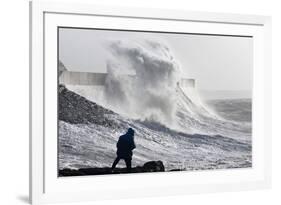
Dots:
pixel 151 166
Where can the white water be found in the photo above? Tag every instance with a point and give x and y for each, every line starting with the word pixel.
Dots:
pixel 153 93
pixel 146 102
pixel 150 94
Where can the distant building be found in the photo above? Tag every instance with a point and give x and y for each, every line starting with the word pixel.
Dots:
pixel 98 79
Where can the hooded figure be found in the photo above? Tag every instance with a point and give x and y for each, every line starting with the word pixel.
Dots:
pixel 125 146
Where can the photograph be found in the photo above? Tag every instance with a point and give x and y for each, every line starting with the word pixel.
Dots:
pixel 139 101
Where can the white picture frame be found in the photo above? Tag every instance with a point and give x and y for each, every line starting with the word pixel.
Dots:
pixel 46 187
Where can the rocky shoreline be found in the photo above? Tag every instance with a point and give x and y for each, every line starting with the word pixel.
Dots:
pixel 151 166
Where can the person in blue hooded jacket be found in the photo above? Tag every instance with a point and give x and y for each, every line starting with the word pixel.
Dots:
pixel 125 146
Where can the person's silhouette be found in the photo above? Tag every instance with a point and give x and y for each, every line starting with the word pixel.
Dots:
pixel 125 146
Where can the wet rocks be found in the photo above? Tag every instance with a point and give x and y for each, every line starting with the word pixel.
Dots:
pixel 76 109
pixel 151 166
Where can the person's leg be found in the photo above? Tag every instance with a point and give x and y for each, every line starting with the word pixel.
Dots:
pixel 128 164
pixel 115 162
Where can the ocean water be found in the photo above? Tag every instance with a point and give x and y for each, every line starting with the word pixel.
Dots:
pixel 210 135
pixel 239 110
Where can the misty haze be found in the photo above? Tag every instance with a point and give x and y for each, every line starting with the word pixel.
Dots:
pixel 133 102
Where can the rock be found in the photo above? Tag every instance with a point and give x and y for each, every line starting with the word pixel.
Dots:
pixel 154 166
pixel 176 170
pixel 151 166
pixel 76 109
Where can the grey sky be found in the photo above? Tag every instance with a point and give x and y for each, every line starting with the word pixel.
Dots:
pixel 216 62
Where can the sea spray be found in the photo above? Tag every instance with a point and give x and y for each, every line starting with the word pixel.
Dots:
pixel 148 94
pixel 142 83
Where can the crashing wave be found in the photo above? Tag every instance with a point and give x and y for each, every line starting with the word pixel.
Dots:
pixel 152 91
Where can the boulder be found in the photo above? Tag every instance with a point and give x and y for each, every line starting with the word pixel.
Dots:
pixel 154 166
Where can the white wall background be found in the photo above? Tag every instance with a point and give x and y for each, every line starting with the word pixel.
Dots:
pixel 14 100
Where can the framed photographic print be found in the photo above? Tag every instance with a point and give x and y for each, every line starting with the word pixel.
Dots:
pixel 131 102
